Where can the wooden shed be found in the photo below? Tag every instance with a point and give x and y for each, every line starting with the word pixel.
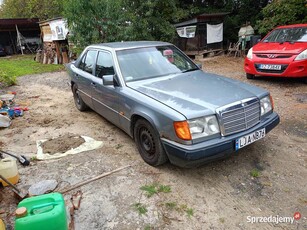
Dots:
pixel 201 35
pixel 54 33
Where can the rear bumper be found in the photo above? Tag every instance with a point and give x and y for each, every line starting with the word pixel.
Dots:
pixel 188 156
pixel 295 69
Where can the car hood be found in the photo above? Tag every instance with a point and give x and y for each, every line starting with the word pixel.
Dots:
pixel 196 93
pixel 280 48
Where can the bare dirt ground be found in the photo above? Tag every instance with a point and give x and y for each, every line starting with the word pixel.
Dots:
pixel 220 195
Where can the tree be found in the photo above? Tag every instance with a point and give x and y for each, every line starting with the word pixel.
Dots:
pixel 42 9
pixel 152 20
pixel 95 21
pixel 282 12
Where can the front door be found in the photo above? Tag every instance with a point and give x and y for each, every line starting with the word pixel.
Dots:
pixel 105 98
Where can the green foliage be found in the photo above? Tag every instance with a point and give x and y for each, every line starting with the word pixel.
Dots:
pixel 149 190
pixel 6 80
pixel 190 212
pixel 164 188
pixel 282 12
pixel 255 173
pixel 98 21
pixel 171 205
pixel 152 20
pixel 95 21
pixel 42 9
pixel 155 188
pixel 147 227
pixel 140 208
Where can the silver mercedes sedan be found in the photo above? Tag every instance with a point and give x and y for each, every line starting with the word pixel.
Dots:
pixel 171 108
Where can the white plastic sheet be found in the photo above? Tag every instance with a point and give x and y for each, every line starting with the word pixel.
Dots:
pixel 214 33
pixel 5 121
pixel 89 144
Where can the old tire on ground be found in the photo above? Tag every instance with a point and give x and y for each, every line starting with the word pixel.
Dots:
pixel 78 100
pixel 250 76
pixel 148 143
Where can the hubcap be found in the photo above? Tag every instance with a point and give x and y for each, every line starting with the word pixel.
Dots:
pixel 147 142
pixel 77 98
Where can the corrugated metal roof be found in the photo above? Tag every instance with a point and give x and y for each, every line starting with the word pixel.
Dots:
pixel 201 18
pixel 8 24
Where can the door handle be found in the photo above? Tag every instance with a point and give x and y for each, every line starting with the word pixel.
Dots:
pixel 93 84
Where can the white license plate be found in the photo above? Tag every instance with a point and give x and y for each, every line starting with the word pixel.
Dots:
pixel 250 138
pixel 270 67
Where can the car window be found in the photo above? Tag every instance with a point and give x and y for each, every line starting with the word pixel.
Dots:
pixel 296 34
pixel 104 64
pixel 87 61
pixel 149 62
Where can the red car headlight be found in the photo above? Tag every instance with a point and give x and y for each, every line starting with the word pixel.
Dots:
pixel 301 56
pixel 250 54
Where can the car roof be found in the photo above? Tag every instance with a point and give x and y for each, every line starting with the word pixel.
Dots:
pixel 129 44
pixel 291 26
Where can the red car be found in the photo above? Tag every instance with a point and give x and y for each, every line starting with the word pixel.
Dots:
pixel 281 53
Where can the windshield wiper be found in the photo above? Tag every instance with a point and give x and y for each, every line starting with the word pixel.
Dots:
pixel 189 70
pixel 291 42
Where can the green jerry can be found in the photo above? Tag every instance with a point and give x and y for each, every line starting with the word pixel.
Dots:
pixel 46 212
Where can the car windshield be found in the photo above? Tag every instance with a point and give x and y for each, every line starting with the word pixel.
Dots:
pixel 297 34
pixel 150 62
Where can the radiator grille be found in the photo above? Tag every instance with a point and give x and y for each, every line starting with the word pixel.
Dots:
pixel 240 117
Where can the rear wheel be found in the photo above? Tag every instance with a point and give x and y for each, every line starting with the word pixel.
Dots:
pixel 148 143
pixel 250 76
pixel 78 100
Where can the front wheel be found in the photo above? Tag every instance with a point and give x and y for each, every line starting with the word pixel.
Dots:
pixel 148 143
pixel 250 76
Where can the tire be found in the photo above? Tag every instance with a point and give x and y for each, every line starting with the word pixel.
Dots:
pixel 148 143
pixel 81 106
pixel 250 76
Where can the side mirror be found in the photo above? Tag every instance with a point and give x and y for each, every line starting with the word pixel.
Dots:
pixel 200 66
pixel 108 79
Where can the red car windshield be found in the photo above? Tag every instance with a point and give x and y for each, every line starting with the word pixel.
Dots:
pixel 295 34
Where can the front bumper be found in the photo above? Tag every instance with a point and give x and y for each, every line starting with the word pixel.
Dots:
pixel 294 69
pixel 188 156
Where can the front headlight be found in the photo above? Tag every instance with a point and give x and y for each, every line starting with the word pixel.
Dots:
pixel 266 104
pixel 301 56
pixel 203 126
pixel 250 53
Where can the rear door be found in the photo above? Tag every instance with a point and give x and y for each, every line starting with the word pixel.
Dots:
pixel 84 76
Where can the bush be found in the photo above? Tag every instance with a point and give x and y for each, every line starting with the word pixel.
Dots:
pixel 6 80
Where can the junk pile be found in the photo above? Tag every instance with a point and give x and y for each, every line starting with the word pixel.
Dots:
pixel 9 109
pixel 41 207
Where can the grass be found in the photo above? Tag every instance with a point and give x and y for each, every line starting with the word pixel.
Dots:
pixel 190 212
pixel 148 227
pixel 34 158
pixel 19 65
pixel 164 188
pixel 140 208
pixel 171 205
pixel 255 173
pixel 152 189
pixel 149 190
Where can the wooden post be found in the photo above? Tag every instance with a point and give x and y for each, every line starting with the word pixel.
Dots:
pixel 19 41
pixel 58 53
